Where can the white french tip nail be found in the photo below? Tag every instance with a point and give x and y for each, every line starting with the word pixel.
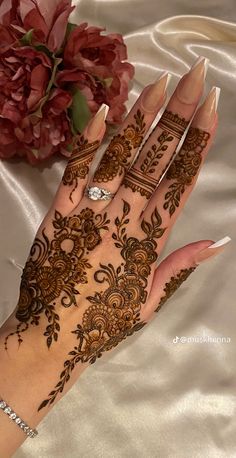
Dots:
pixel 217 92
pixel 220 242
pixel 167 79
pixel 206 64
pixel 105 111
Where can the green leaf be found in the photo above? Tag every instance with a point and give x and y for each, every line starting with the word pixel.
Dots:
pixel 57 61
pixel 70 147
pixel 27 38
pixel 79 112
pixel 69 29
pixel 108 81
pixel 42 48
pixel 38 112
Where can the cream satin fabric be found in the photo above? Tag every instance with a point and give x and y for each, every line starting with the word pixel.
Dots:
pixel 150 398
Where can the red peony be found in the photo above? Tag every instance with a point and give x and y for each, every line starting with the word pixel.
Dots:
pixel 53 77
pixel 94 62
pixel 48 18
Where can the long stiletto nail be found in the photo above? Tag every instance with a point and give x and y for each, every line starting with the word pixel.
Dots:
pixel 206 113
pixel 191 85
pixel 96 125
pixel 155 93
pixel 212 250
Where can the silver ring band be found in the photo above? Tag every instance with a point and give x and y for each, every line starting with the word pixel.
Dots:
pixel 95 193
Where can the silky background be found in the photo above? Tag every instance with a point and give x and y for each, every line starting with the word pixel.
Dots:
pixel 150 397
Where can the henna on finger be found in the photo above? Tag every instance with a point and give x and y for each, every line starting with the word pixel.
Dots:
pixel 83 154
pixel 174 283
pixel 118 155
pixel 185 167
pixel 142 176
pixel 79 163
pixel 187 163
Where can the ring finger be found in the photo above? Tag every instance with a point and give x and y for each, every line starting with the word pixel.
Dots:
pixel 175 188
pixel 124 145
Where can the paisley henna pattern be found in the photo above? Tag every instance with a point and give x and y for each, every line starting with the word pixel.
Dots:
pixel 78 164
pixel 117 156
pixel 54 269
pixel 173 285
pixel 185 167
pixel 142 178
pixel 114 312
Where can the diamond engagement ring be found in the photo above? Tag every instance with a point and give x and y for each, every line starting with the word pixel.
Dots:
pixel 96 193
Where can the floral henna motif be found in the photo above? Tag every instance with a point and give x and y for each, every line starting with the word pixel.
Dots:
pixel 117 156
pixel 143 179
pixel 173 285
pixel 54 268
pixel 114 312
pixel 78 164
pixel 185 167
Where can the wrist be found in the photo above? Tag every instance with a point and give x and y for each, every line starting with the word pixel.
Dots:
pixel 28 374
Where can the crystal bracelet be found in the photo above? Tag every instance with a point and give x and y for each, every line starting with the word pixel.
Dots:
pixel 13 416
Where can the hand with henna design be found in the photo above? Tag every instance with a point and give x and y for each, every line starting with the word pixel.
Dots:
pixel 92 277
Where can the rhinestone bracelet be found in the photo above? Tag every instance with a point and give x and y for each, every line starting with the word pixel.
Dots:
pixel 13 416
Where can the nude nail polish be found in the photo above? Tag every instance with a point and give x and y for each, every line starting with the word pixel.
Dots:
pixel 212 250
pixel 205 116
pixel 97 123
pixel 191 85
pixel 155 93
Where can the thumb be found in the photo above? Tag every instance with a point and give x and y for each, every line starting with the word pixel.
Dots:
pixel 176 268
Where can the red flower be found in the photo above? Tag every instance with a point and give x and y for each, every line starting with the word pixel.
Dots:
pixel 36 90
pixel 39 136
pixel 24 76
pixel 94 62
pixel 48 18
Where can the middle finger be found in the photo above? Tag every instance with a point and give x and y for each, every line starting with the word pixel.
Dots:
pixel 143 176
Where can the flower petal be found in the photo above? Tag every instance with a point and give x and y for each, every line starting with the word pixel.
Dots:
pixel 38 85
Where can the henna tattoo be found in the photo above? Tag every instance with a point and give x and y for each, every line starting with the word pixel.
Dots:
pixel 119 152
pixel 54 268
pixel 78 164
pixel 185 167
pixel 173 285
pixel 114 313
pixel 173 123
pixel 143 178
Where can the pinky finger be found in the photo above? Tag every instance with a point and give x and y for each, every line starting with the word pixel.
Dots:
pixel 176 268
pixel 74 180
